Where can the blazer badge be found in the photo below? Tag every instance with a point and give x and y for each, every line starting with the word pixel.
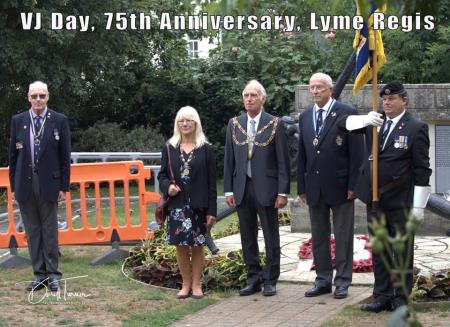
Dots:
pixel 339 140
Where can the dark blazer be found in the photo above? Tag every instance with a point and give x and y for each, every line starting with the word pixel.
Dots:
pixel 329 169
pixel 202 187
pixel 411 161
pixel 54 157
pixel 270 164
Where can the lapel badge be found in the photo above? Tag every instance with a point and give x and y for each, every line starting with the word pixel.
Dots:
pixel 56 134
pixel 339 140
pixel 19 145
pixel 333 114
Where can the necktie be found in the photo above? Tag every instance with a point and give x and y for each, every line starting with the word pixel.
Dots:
pixel 319 120
pixel 385 133
pixel 37 137
pixel 251 139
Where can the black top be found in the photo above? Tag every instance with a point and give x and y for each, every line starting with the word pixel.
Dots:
pixel 202 185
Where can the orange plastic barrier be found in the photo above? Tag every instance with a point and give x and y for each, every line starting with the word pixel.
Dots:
pixel 100 227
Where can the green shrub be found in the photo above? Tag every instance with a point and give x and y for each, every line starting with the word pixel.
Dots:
pixel 155 262
pixel 111 137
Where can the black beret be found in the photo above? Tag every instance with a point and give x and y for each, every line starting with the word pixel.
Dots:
pixel 394 87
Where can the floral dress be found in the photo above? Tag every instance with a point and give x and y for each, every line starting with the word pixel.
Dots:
pixel 187 225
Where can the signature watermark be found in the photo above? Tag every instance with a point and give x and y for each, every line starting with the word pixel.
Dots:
pixel 63 295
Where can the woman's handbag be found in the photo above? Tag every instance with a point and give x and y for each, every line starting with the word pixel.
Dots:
pixel 161 207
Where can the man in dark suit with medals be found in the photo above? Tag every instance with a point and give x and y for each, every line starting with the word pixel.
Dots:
pixel 256 182
pixel 404 173
pixel 39 172
pixel 328 162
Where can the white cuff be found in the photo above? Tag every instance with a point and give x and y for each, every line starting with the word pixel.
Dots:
pixel 228 193
pixel 421 195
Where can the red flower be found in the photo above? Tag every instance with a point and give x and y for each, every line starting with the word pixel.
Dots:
pixel 361 265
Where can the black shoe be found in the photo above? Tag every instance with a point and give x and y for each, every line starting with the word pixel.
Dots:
pixel 36 285
pixel 250 289
pixel 377 306
pixel 53 284
pixel 340 292
pixel 316 291
pixel 269 289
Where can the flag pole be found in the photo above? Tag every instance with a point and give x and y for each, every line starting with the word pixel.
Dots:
pixel 375 190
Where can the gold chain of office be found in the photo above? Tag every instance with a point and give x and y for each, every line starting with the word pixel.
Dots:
pixel 273 123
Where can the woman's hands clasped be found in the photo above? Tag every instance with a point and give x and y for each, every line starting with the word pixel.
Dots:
pixel 173 190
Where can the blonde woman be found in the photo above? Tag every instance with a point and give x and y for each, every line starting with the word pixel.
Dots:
pixel 192 206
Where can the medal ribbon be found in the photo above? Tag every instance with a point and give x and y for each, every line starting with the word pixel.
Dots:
pixel 33 128
pixel 317 133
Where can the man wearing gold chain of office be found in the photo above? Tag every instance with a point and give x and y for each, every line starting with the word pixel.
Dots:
pixel 256 182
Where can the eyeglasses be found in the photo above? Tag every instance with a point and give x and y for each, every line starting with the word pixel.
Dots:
pixel 41 96
pixel 317 88
pixel 187 121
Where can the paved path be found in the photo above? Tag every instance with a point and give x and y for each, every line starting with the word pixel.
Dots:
pixel 290 307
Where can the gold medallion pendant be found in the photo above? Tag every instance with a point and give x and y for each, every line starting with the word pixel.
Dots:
pixel 186 172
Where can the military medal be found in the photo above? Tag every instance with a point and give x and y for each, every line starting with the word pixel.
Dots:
pixel 37 134
pixel 396 145
pixel 315 141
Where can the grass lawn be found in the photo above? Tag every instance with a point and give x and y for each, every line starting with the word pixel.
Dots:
pixel 429 314
pixel 105 297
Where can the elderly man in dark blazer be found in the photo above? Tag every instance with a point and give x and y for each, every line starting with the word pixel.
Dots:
pixel 403 177
pixel 256 182
pixel 39 172
pixel 328 162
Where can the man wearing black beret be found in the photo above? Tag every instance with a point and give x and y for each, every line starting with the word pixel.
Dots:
pixel 404 173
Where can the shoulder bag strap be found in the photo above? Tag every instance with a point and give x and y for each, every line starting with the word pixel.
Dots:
pixel 172 176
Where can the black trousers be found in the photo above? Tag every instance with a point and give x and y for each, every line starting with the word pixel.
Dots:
pixel 247 212
pixel 40 219
pixel 383 287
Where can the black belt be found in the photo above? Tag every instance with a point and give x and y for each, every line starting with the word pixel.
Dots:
pixel 396 183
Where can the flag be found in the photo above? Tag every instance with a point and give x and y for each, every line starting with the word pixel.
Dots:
pixel 364 43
